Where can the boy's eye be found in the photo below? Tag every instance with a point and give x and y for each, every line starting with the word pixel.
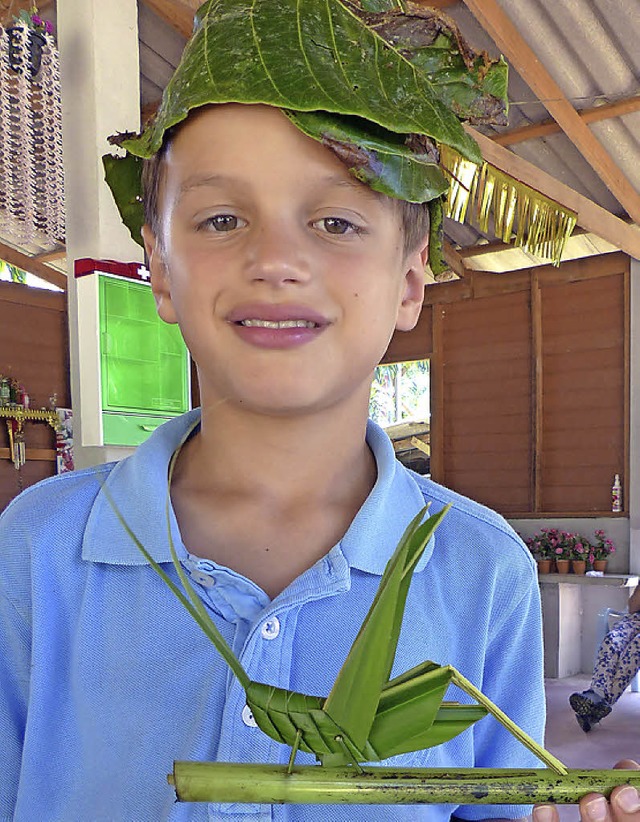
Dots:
pixel 337 225
pixel 222 222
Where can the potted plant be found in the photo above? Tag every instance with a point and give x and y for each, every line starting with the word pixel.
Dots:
pixel 27 38
pixel 580 552
pixel 600 551
pixel 542 550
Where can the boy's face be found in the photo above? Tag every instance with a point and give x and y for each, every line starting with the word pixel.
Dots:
pixel 286 275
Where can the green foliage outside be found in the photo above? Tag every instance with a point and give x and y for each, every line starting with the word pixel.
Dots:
pixel 400 391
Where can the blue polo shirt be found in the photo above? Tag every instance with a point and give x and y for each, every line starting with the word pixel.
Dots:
pixel 105 679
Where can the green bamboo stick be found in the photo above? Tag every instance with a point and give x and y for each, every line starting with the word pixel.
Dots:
pixel 313 785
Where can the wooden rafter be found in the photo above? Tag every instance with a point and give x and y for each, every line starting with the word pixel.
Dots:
pixel 26 263
pixel 497 245
pixel 589 115
pixel 454 259
pixel 523 59
pixel 50 256
pixel 591 216
pixel 177 13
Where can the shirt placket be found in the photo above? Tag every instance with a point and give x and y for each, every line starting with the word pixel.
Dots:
pixel 264 651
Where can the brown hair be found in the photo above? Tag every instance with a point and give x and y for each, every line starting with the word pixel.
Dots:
pixel 414 216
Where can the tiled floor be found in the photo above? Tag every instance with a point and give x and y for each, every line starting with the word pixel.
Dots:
pixel 616 737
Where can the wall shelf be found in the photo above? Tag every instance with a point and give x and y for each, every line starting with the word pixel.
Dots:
pixel 17 452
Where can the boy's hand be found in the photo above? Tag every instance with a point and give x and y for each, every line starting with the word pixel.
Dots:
pixel 624 805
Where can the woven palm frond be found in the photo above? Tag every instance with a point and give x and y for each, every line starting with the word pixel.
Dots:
pixel 521 215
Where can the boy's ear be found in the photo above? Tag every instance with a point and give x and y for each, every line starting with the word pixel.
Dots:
pixel 159 275
pixel 414 284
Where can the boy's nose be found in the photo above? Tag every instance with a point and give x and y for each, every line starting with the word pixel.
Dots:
pixel 277 259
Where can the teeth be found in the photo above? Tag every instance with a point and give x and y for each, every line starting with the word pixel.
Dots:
pixel 278 324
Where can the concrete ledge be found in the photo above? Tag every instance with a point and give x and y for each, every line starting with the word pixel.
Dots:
pixel 616 580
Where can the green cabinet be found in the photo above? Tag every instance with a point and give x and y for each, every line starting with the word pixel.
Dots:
pixel 144 363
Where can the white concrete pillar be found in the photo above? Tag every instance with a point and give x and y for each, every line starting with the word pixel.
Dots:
pixel 99 63
pixel 633 485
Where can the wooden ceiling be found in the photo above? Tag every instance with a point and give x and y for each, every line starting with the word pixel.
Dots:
pixel 569 151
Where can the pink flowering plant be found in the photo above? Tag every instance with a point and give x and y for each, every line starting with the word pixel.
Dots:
pixel 602 548
pixel 581 549
pixel 551 543
pixel 32 20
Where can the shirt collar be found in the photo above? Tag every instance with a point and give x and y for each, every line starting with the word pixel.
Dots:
pixel 394 501
pixel 137 487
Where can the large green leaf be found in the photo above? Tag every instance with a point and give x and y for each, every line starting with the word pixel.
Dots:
pixel 310 55
pixel 380 82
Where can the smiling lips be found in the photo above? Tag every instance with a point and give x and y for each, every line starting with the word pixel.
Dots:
pixel 277 326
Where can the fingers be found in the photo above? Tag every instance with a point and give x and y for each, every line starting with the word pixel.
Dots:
pixel 623 806
pixel 625 800
pixel 625 803
pixel 595 808
pixel 545 813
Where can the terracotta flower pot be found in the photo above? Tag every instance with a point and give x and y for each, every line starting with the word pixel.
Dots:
pixel 544 566
pixel 600 565
pixel 562 566
pixel 578 566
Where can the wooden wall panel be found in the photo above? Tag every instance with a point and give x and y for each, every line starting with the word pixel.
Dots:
pixel 531 385
pixel 416 344
pixel 583 333
pixel 33 349
pixel 485 374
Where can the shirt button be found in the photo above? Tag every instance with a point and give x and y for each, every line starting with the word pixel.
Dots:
pixel 270 628
pixel 247 717
pixel 203 579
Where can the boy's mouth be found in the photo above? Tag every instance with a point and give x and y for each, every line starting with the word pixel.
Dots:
pixel 272 325
pixel 278 323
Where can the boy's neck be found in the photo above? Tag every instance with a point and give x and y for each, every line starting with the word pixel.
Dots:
pixel 269 496
pixel 279 457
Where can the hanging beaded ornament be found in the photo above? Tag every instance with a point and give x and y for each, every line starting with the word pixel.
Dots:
pixel 31 170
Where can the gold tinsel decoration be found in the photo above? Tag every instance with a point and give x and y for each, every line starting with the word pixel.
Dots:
pixel 521 215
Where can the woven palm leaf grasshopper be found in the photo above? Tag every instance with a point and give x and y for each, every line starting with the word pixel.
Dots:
pixel 366 717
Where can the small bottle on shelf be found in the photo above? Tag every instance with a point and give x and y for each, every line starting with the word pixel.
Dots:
pixel 616 495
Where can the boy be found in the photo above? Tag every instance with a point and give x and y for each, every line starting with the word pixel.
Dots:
pixel 287 277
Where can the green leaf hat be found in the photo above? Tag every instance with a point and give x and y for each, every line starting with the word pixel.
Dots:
pixel 382 83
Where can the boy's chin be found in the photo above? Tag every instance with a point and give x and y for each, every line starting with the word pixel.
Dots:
pixel 293 402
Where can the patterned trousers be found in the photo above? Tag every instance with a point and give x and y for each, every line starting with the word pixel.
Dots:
pixel 618 658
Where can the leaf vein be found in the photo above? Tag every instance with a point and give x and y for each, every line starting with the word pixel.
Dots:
pixel 259 50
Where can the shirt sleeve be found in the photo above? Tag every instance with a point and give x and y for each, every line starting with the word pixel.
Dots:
pixel 513 680
pixel 15 663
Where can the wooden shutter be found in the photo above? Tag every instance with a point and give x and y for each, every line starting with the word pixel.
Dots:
pixel 583 390
pixel 482 384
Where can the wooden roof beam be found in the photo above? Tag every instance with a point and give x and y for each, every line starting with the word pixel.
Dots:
pixel 524 60
pixel 50 275
pixel 177 13
pixel 591 216
pixel 453 258
pixel 588 115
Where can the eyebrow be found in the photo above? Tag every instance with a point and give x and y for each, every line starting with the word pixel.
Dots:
pixel 206 180
pixel 216 180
